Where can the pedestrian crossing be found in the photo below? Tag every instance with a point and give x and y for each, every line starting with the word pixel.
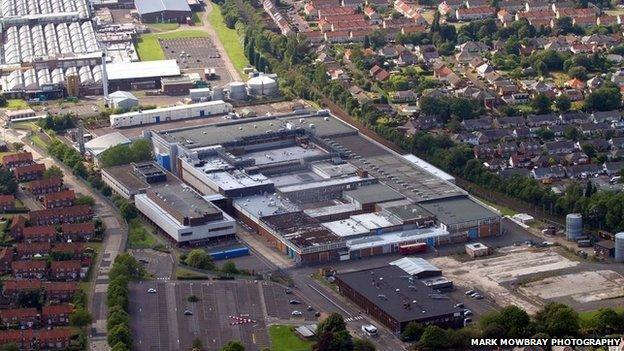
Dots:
pixel 356 318
pixel 162 278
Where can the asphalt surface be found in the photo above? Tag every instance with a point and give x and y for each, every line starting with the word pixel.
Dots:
pixel 159 264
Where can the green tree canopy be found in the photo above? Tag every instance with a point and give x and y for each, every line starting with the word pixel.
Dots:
pixel 233 346
pixel 604 99
pixel 557 320
pixel 198 258
pixel 8 184
pixel 137 151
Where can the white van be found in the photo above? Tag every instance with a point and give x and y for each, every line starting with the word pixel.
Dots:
pixel 369 329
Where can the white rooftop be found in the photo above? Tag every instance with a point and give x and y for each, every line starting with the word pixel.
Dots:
pixel 282 154
pixel 414 265
pixel 142 69
pixel 102 143
pixel 359 224
pixel 122 95
pixel 420 235
pixel 429 168
pixel 237 180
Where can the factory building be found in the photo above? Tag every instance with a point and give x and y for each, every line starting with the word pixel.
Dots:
pixel 153 11
pixel 132 179
pixel 394 300
pixel 315 189
pixel 184 215
pixel 173 113
pixel 123 100
pixel 140 75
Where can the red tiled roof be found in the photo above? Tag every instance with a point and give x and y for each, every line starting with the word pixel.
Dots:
pixel 13 335
pixel 68 247
pixel 60 195
pixel 36 167
pixel 60 286
pixel 45 183
pixel 18 221
pixel 21 285
pixel 66 265
pixel 28 265
pixel 7 199
pixel 18 313
pixel 19 157
pixel 56 309
pixel 6 253
pixel 45 335
pixel 40 230
pixel 78 210
pixel 87 227
pixel 23 248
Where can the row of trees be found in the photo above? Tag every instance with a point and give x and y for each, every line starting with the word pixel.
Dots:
pixel 125 268
pixel 58 122
pixel 137 151
pixel 332 335
pixel 69 156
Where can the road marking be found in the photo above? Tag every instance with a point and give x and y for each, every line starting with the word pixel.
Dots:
pixel 356 318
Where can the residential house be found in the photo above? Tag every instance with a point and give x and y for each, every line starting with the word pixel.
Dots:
pixel 421 123
pixel 78 231
pixel 600 145
pixel 575 83
pixel 60 291
pixel 467 138
pixel 389 52
pixel 486 151
pixel 63 198
pixel 17 160
pixel 530 147
pixel 7 203
pixel 558 130
pixel 45 186
pixel 484 68
pixel 426 53
pixel 78 213
pixel 72 249
pixel 29 250
pixel 447 7
pixel 39 234
pixel 406 58
pixel 544 173
pixel 548 119
pixel 608 20
pixel 55 339
pixel 379 73
pixel 66 270
pixel 56 315
pixel 506 149
pixel 520 161
pixel 589 129
pixel 491 135
pixel 618 77
pixel 481 123
pixel 354 4
pixel 576 158
pixel 12 288
pixel 359 94
pixel 474 13
pixel 476 3
pixel 514 98
pixel 6 259
pixel 403 96
pixel 29 172
pixel 559 147
pixel 584 171
pixel 510 122
pixel 617 142
pixel 573 94
pixel 574 117
pixel 616 154
pixel 372 15
pixel 29 269
pixel 505 17
pixel 18 223
pixel 22 318
pixel 606 116
pixel 495 164
pixel 613 168
pixel 522 133
pixel 378 4
pixel 339 36
pixel 538 5
pixel 469 50
pixel 512 5
pixel 24 339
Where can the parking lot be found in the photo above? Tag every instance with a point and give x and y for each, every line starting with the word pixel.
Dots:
pixel 225 310
pixel 159 264
pixel 196 54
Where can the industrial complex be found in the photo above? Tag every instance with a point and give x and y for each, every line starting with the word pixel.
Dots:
pixel 307 183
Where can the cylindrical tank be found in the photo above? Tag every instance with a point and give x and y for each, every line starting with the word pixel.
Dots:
pixel 262 86
pixel 619 247
pixel 238 91
pixel 574 226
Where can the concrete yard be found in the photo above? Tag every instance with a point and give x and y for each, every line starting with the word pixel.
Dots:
pixel 493 274
pixel 159 321
pixel 581 287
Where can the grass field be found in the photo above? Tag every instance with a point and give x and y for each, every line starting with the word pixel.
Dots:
pixel 229 38
pixel 149 48
pixel 140 236
pixel 283 338
pixel 17 104
pixel 163 27
pixel 35 139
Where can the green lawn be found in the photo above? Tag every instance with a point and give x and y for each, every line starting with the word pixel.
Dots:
pixel 587 316
pixel 140 236
pixel 17 104
pixel 149 48
pixel 25 125
pixel 229 38
pixel 283 338
pixel 35 139
pixel 163 27
pixel 185 273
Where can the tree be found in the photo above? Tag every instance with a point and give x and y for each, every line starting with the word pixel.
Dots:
pixel 332 324
pixel 604 99
pixel 541 68
pixel 557 320
pixel 80 318
pixel 9 347
pixel 229 267
pixel 563 102
pixel 120 346
pixel 8 184
pixel 198 258
pixel 572 133
pixel 137 151
pixel 197 344
pixel 233 346
pixel 363 345
pixel 412 331
pixel 120 334
pixel 53 172
pixel 17 146
pixel 85 200
pixel 377 38
pixel 434 337
pixel 516 322
pixel 541 103
pixel 578 72
pixel 367 42
pixel 607 320
pixel 589 150
pixel 3 100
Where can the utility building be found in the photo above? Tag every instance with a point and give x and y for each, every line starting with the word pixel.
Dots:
pixel 152 11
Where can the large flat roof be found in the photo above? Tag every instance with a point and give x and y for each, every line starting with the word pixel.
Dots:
pixel 142 69
pixel 373 193
pixel 458 210
pixel 151 6
pixel 389 289
pixel 126 176
pixel 185 200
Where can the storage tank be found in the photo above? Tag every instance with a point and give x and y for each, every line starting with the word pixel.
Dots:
pixel 238 91
pixel 574 226
pixel 619 247
pixel 262 86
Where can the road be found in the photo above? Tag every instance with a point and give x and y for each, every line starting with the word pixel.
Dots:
pixel 114 238
pixel 206 26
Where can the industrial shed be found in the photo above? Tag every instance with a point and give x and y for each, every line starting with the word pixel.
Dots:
pixel 140 75
pixel 152 11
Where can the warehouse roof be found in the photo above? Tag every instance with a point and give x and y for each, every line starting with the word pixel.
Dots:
pixel 456 210
pixel 102 143
pixel 402 298
pixel 415 265
pixel 373 193
pixel 151 6
pixel 143 69
pixel 122 95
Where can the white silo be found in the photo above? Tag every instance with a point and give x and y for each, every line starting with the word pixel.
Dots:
pixel 619 247
pixel 238 91
pixel 574 226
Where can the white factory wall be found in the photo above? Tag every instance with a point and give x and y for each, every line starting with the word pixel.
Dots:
pixel 181 233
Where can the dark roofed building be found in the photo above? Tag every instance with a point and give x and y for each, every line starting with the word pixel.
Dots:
pixel 385 294
pixel 163 10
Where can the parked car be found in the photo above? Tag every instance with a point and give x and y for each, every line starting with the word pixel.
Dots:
pixel 467 312
pixel 296 313
pixel 294 302
pixel 369 329
pixel 467 321
pixel 188 312
pixel 151 290
pixel 459 305
pixel 469 292
pixel 288 291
